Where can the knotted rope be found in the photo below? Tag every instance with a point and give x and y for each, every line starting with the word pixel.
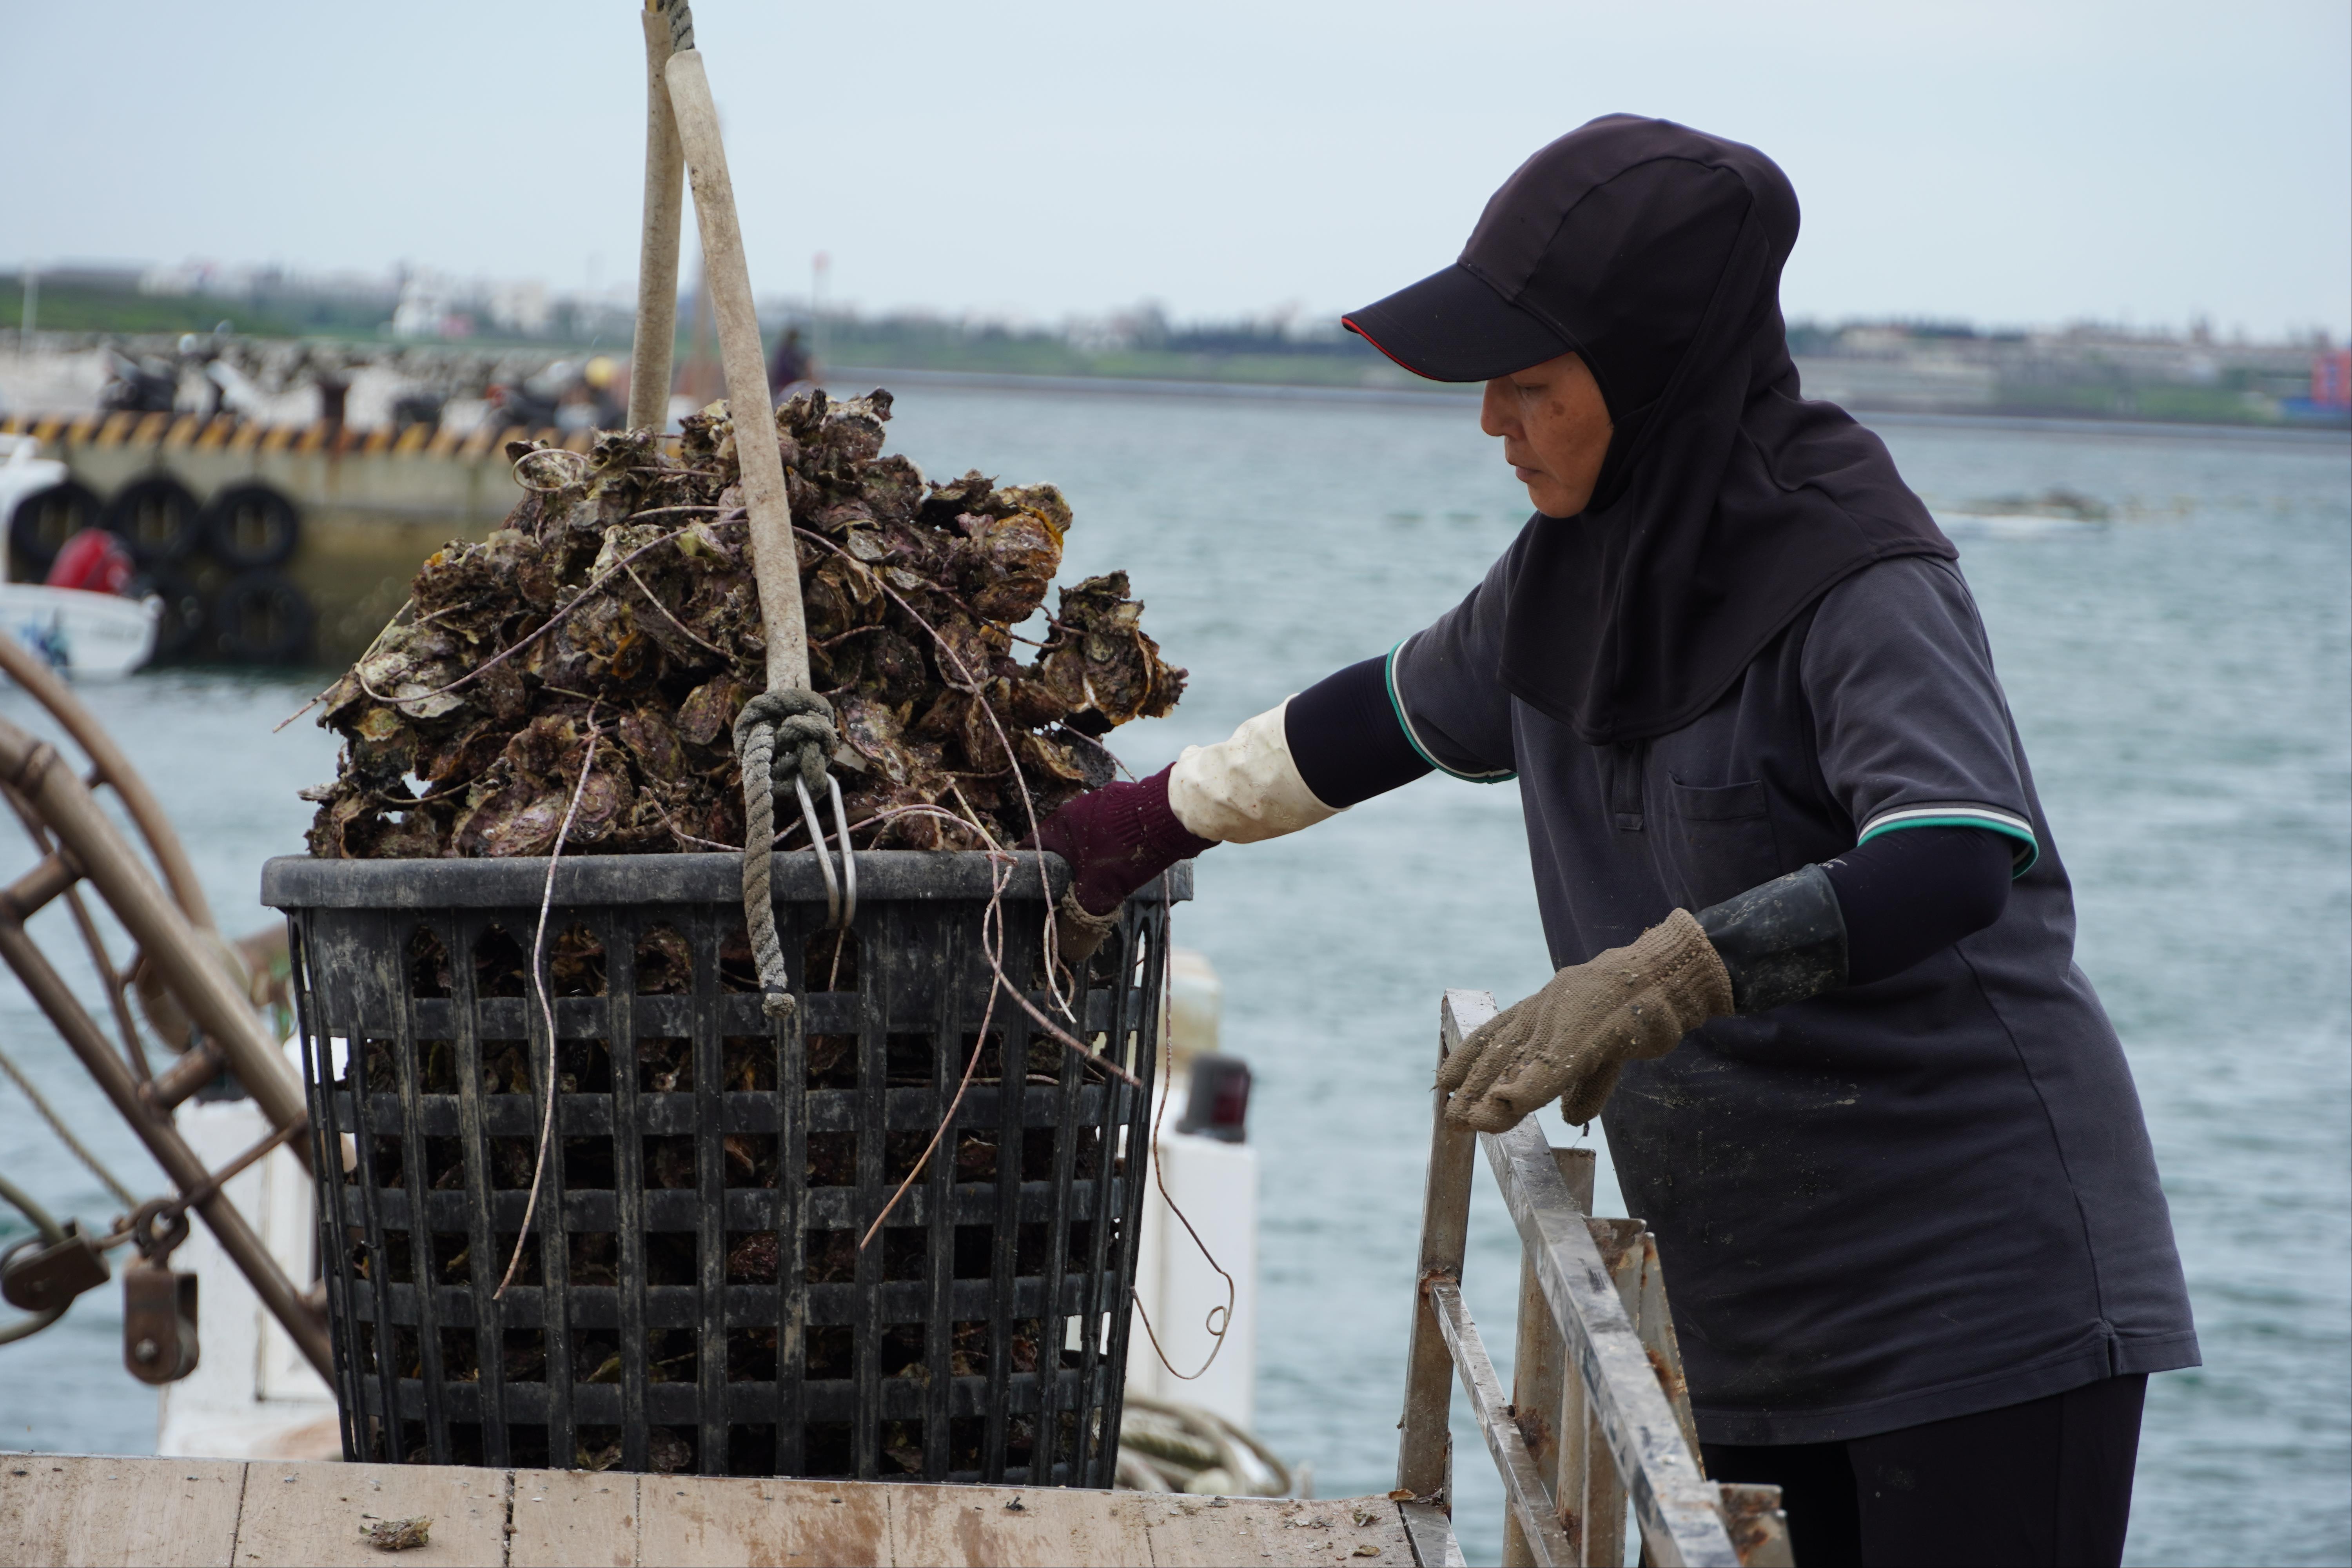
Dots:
pixel 798 724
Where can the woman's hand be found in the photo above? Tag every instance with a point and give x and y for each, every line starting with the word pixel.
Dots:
pixel 1115 840
pixel 1572 1037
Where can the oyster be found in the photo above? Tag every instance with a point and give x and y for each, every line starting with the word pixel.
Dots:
pixel 619 598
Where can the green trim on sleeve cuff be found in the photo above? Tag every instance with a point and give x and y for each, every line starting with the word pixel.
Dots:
pixel 2026 850
pixel 1396 706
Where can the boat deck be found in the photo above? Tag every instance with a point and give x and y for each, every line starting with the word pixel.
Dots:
pixel 58 1509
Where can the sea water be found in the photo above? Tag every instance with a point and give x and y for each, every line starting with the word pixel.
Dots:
pixel 2179 674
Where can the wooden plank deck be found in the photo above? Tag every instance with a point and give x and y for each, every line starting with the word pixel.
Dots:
pixel 67 1510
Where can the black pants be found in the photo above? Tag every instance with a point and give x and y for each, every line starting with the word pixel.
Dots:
pixel 2048 1481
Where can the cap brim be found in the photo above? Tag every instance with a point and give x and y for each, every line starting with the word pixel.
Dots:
pixel 1454 326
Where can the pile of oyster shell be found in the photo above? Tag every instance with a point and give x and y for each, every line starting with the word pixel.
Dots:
pixel 923 604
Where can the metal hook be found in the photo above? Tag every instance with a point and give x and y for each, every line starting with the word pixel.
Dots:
pixel 848 856
pixel 816 840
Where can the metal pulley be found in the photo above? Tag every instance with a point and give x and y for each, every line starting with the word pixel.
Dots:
pixel 44 1276
pixel 159 1322
pixel 159 1302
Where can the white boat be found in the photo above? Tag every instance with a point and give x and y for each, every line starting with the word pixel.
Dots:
pixel 2016 525
pixel 91 636
pixel 24 471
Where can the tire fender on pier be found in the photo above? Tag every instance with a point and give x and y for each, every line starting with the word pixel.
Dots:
pixel 251 526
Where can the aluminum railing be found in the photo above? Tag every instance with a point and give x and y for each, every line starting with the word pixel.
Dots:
pixel 1598 1424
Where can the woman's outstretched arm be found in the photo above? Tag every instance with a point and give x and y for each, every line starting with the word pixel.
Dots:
pixel 1332 745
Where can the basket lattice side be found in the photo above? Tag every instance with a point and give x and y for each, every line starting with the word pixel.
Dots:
pixel 703 1305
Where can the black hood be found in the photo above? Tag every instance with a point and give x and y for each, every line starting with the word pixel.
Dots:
pixel 1727 504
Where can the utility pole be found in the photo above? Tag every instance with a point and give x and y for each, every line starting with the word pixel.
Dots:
pixel 32 308
pixel 820 339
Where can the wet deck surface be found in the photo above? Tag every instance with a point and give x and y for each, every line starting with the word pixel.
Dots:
pixel 58 1509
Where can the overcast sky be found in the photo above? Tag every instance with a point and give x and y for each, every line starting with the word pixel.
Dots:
pixel 2145 163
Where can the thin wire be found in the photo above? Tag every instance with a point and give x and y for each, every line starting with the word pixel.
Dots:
pixel 986 837
pixel 1058 1032
pixel 972 687
pixel 665 510
pixel 547 1008
pixel 1216 1327
pixel 885 815
pixel 407 605
pixel 673 620
pixel 587 470
pixel 513 648
pixel 998 872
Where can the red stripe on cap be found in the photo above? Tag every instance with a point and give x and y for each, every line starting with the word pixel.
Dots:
pixel 1349 322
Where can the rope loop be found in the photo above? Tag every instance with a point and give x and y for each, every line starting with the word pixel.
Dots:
pixel 795 727
pixel 801 726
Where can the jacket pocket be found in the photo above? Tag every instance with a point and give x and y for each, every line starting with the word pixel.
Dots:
pixel 1721 840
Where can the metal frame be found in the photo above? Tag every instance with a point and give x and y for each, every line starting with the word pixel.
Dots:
pixel 167 917
pixel 1599 1421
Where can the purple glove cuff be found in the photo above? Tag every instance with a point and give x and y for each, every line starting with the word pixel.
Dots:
pixel 1118 838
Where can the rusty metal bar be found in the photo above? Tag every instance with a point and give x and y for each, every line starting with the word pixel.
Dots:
pixel 182 956
pixel 108 976
pixel 1538 1368
pixel 1425 1452
pixel 1602 1507
pixel 1655 1322
pixel 1674 1504
pixel 1539 1380
pixel 33 891
pixel 1431 1535
pixel 198 1068
pixel 108 761
pixel 164 1141
pixel 1677 1510
pixel 1759 1528
pixel 1523 1484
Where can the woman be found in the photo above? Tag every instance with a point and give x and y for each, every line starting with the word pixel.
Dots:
pixel 1814 944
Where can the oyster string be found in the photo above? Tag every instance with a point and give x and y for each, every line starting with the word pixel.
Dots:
pixel 665 614
pixel 1218 1322
pixel 971 687
pixel 359 673
pixel 998 872
pixel 547 1008
pixel 385 630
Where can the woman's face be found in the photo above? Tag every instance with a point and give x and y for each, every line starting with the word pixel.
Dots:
pixel 1555 429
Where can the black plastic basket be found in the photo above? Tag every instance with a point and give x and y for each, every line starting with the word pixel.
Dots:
pixel 709 1309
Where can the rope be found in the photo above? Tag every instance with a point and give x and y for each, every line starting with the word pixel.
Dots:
pixel 798 723
pixel 57 1125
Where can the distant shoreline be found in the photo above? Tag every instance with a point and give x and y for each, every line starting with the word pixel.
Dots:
pixel 858 378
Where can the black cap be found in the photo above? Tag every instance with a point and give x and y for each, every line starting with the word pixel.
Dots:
pixel 1454 326
pixel 1606 243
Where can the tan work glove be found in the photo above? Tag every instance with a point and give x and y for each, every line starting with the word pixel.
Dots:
pixel 1572 1037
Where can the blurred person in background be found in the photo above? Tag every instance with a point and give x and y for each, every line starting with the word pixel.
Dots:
pixel 790 365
